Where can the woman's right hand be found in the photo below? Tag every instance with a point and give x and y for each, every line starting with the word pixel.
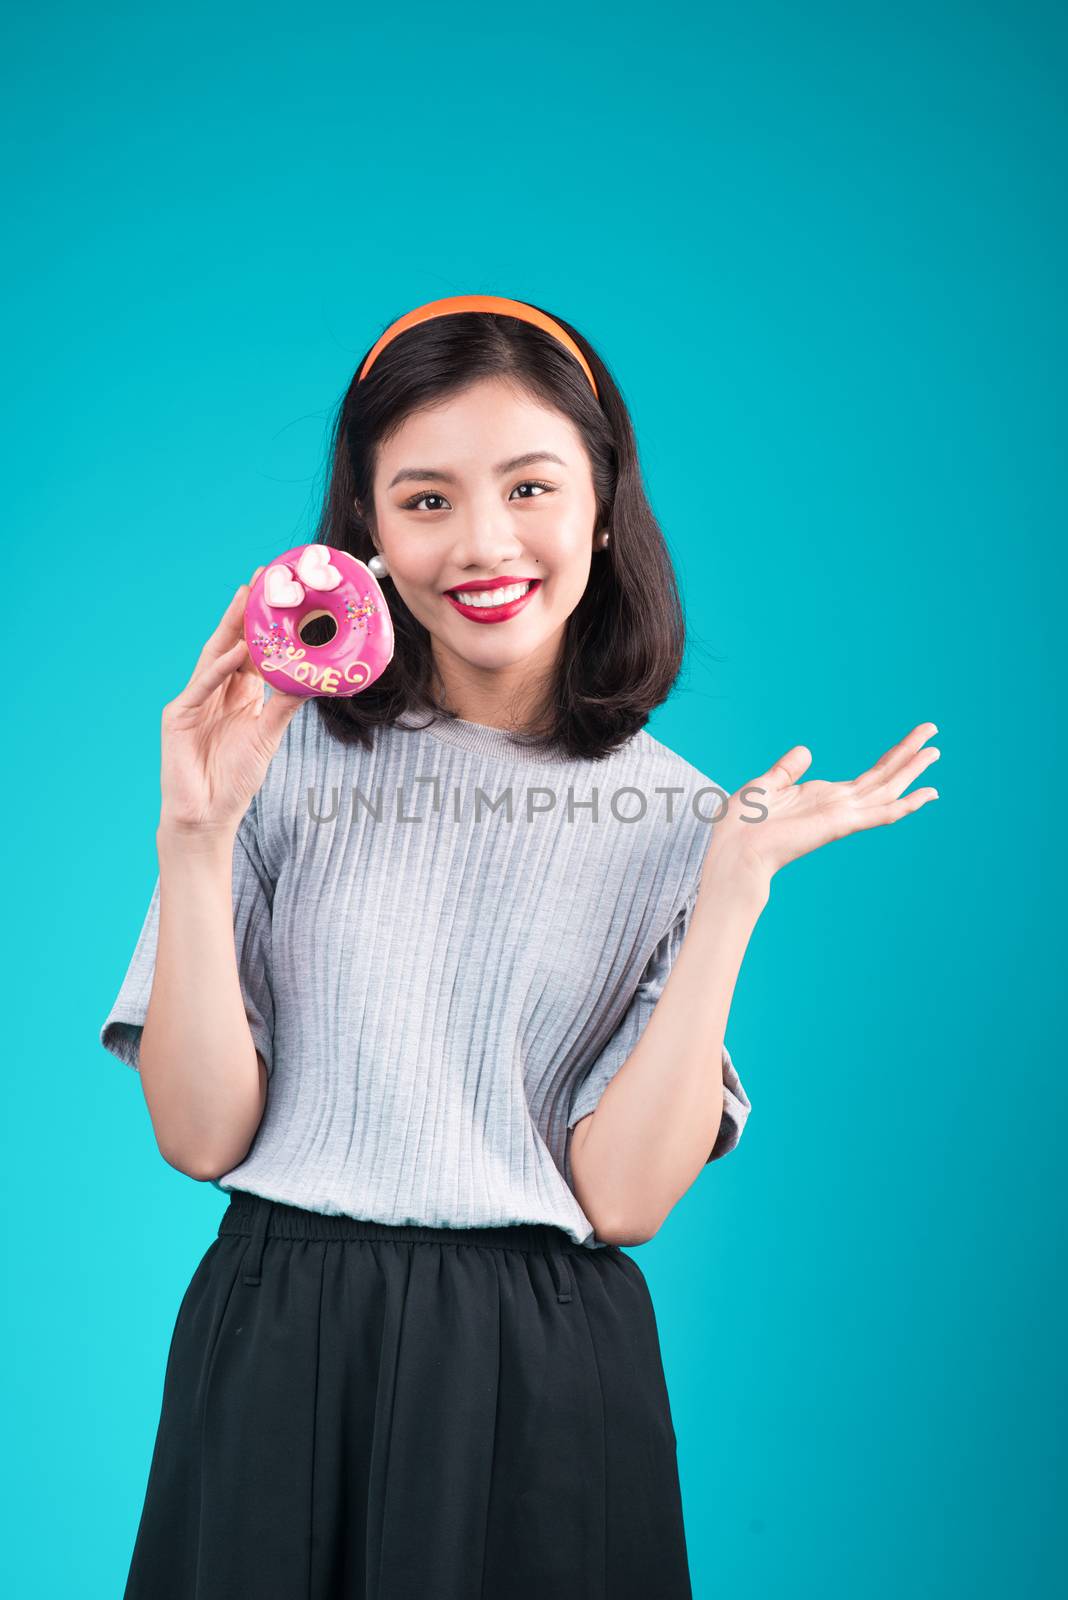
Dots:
pixel 218 735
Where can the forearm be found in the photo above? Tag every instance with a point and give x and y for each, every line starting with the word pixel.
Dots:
pixel 199 1069
pixel 658 1118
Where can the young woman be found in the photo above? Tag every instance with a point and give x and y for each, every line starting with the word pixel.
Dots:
pixel 434 982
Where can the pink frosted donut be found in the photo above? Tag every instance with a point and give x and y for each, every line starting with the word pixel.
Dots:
pixel 315 580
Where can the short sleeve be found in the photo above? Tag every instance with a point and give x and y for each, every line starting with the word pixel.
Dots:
pixel 736 1106
pixel 253 895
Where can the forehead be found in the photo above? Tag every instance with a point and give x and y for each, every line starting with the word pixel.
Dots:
pixel 477 429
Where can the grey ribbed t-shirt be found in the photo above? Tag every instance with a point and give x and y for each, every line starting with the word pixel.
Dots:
pixel 447 947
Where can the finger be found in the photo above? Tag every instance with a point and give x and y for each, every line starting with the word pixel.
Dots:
pixel 248 666
pixel 879 816
pixel 279 712
pixel 231 625
pixel 896 782
pixel 782 773
pixel 207 679
pixel 893 758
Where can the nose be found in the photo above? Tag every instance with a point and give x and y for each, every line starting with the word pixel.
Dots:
pixel 486 540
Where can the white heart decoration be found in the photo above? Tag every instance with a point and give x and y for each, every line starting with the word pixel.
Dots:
pixel 315 570
pixel 280 587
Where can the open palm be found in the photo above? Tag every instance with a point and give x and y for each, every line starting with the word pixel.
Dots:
pixel 800 817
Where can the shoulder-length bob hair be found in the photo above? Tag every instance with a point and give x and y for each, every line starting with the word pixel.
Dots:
pixel 623 643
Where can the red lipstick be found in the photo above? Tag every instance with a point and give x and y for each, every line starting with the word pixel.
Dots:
pixel 491 613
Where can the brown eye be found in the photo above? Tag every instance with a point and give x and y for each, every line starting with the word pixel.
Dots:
pixel 428 494
pixel 410 505
pixel 533 484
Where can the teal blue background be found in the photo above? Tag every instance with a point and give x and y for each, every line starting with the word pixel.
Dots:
pixel 822 248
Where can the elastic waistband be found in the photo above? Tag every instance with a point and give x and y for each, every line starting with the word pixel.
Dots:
pixel 295 1222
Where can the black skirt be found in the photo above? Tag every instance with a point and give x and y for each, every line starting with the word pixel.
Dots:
pixel 362 1411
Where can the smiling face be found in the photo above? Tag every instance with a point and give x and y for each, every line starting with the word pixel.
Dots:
pixel 466 492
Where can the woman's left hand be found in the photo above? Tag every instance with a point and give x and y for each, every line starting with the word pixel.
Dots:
pixel 800 817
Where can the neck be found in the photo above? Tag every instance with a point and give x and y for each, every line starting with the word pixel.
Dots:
pixel 515 701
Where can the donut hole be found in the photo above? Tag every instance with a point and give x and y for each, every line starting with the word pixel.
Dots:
pixel 317 628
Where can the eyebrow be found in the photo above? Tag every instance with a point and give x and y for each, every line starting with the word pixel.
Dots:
pixel 504 466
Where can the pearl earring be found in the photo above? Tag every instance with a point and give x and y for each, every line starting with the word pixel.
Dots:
pixel 378 567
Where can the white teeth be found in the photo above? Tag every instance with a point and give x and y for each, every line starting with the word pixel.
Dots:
pixel 492 597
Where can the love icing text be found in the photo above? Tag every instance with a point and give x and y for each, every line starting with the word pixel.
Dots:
pixel 326 679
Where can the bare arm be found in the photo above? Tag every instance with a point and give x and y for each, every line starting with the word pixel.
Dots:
pixel 203 1079
pixel 634 1157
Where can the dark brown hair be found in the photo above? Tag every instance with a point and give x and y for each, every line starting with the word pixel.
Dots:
pixel 623 643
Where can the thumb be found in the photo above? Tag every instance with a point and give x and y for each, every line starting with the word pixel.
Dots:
pixel 786 771
pixel 278 712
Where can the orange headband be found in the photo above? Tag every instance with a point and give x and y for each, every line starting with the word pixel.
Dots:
pixel 479 302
